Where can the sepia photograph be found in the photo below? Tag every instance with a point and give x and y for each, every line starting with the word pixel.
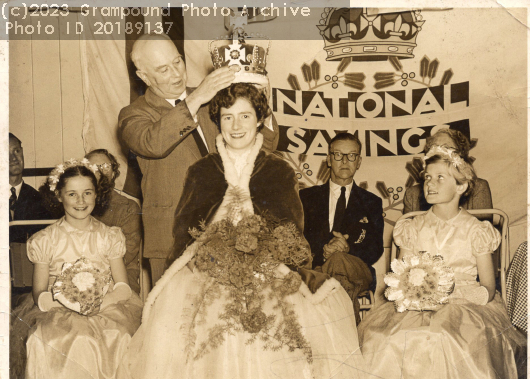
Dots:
pixel 303 189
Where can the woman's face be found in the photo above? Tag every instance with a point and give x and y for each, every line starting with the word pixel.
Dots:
pixel 104 166
pixel 239 125
pixel 78 197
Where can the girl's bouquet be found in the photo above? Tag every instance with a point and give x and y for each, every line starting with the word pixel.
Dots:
pixel 81 286
pixel 419 282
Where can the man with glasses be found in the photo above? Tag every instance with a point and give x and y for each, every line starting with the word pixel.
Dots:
pixel 344 223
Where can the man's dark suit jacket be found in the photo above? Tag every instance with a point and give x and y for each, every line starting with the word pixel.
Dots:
pixel 363 212
pixel 28 206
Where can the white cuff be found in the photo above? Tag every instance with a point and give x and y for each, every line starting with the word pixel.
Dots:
pixel 45 301
pixel 125 290
pixel 478 295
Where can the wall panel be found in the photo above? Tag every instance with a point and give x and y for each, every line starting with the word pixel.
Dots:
pixel 71 92
pixel 47 95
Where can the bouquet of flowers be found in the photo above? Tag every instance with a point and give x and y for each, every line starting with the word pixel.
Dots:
pixel 419 282
pixel 243 258
pixel 81 286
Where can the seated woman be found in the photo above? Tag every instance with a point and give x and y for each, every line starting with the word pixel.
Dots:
pixel 197 326
pixel 414 199
pixel 121 212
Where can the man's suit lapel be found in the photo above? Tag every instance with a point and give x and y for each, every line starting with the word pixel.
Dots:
pixel 20 205
pixel 157 102
pixel 353 202
pixel 203 118
pixel 325 206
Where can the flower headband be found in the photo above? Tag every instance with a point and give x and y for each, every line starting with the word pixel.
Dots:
pixel 445 152
pixel 53 178
pixel 456 160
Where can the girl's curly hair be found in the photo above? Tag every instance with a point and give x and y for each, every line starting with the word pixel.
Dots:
pixel 52 203
pixel 226 97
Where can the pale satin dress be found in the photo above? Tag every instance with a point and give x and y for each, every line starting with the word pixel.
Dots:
pixel 178 316
pixel 63 343
pixel 460 340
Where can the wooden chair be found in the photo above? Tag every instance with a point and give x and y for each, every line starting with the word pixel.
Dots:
pixel 501 256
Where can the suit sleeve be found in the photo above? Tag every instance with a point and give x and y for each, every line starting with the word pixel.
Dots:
pixel 155 139
pixel 408 201
pixel 131 228
pixel 482 196
pixel 371 248
pixel 271 137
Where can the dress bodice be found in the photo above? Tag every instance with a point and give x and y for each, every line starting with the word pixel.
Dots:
pixel 459 240
pixel 61 242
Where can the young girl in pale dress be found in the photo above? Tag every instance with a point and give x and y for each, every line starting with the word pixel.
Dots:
pixel 471 336
pixel 63 343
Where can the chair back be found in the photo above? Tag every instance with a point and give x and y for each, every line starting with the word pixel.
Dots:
pixel 20 266
pixel 501 256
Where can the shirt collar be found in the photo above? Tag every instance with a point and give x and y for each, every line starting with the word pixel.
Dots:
pixel 335 188
pixel 435 219
pixel 181 98
pixel 71 229
pixel 18 187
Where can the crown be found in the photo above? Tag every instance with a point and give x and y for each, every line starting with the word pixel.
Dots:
pixel 366 34
pixel 246 51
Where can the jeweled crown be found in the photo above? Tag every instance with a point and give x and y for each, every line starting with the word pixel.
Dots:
pixel 246 51
pixel 367 34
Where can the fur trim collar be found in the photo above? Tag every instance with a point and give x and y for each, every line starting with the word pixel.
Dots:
pixel 238 186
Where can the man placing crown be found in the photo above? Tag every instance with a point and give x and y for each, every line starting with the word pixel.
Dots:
pixel 168 128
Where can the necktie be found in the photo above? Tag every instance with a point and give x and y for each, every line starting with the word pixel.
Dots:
pixel 339 210
pixel 198 139
pixel 12 199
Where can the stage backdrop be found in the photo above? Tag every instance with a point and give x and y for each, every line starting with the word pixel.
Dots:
pixel 468 72
pixel 393 77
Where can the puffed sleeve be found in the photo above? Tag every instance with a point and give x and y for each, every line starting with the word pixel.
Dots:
pixel 405 234
pixel 116 243
pixel 484 238
pixel 39 247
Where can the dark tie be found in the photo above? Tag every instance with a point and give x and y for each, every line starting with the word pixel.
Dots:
pixel 339 210
pixel 12 199
pixel 198 139
pixel 12 202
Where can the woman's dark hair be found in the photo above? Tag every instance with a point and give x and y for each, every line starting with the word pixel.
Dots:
pixel 103 190
pixel 113 161
pixel 226 97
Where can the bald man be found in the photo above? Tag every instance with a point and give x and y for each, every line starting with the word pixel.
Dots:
pixel 169 129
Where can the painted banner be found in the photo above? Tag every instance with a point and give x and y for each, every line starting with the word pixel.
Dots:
pixel 393 77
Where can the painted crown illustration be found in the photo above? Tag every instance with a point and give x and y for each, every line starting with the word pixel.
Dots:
pixel 246 51
pixel 367 34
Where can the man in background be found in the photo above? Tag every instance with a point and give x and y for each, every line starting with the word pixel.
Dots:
pixel 25 203
pixel 344 223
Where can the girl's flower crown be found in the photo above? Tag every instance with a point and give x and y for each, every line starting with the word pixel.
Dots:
pixel 445 152
pixel 452 156
pixel 53 178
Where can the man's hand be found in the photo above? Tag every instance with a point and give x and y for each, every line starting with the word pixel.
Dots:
pixel 213 83
pixel 337 244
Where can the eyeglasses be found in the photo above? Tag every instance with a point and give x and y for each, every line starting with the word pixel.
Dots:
pixel 338 156
pixel 104 168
